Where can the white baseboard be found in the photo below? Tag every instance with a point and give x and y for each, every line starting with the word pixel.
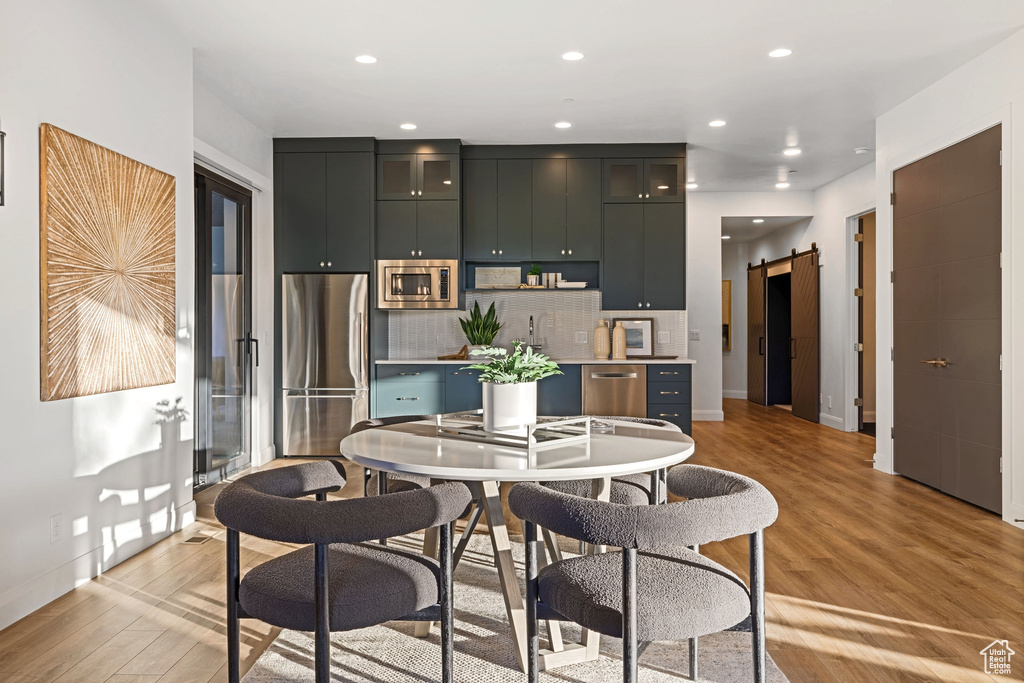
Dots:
pixel 734 393
pixel 708 416
pixel 832 421
pixel 28 597
pixel 264 456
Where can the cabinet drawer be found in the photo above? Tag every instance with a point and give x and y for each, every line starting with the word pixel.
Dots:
pixel 677 413
pixel 668 392
pixel 386 374
pixel 668 373
pixel 409 398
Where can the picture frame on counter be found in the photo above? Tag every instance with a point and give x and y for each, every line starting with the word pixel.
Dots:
pixel 639 336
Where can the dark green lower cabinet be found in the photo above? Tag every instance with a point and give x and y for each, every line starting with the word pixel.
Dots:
pixel 462 390
pixel 561 394
pixel 669 395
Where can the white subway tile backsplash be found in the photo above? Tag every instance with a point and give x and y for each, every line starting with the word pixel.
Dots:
pixel 557 317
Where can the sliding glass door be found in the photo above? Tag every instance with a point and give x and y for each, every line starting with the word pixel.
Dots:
pixel 225 348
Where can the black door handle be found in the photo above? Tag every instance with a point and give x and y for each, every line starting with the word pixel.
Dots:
pixel 760 346
pixel 792 347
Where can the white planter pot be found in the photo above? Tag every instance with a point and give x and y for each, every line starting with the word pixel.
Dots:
pixel 509 406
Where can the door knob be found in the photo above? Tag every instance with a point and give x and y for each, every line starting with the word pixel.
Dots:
pixel 941 362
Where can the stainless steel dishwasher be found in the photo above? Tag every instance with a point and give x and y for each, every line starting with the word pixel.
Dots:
pixel 615 390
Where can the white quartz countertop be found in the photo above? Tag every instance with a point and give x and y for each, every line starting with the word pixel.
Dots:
pixel 563 361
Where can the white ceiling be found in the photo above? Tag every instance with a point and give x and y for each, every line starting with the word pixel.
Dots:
pixel 654 71
pixel 742 229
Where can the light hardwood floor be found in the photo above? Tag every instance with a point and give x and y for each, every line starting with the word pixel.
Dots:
pixel 870 577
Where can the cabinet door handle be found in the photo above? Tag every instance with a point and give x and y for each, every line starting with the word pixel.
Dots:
pixel 668 414
pixel 664 372
pixel 640 196
pixel 321 264
pixel 647 196
pixel 570 252
pixel 408 374
pixel 408 398
pixel 419 252
pixel 648 304
pixel 669 393
pixel 639 304
pixel 421 193
pixel 494 251
pixel 412 253
pixel 499 252
pixel 563 252
pixel 328 264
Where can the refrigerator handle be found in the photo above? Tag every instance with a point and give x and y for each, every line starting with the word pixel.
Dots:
pixel 360 333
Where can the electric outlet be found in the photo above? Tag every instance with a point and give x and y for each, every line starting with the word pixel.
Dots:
pixel 664 337
pixel 200 478
pixel 56 527
pixel 581 337
pixel 694 335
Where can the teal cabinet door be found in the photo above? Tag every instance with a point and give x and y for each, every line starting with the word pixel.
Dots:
pixel 462 390
pixel 561 395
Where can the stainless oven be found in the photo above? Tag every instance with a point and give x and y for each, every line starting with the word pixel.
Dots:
pixel 417 283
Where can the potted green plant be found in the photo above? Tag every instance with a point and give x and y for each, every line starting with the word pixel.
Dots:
pixel 533 277
pixel 510 384
pixel 480 329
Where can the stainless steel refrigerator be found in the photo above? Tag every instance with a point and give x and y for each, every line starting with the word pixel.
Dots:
pixel 324 369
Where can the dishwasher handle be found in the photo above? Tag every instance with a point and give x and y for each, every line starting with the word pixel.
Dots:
pixel 613 375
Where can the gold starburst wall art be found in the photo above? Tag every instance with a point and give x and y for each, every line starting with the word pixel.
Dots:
pixel 106 269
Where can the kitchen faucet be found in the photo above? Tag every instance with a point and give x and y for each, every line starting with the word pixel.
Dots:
pixel 534 346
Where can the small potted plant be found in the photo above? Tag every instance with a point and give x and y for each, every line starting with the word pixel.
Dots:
pixel 510 385
pixel 480 329
pixel 533 277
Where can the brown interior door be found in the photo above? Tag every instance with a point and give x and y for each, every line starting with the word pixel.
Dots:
pixel 947 320
pixel 757 342
pixel 804 345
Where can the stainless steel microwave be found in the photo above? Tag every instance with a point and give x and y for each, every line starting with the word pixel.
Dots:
pixel 417 283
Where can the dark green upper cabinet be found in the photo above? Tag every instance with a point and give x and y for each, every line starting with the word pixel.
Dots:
pixel 567 209
pixel 644 180
pixel 480 209
pixel 644 265
pixel 497 211
pixel 322 211
pixel 426 229
pixel 417 176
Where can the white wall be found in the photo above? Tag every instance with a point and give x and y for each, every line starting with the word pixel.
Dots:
pixel 735 258
pixel 109 72
pixel 232 146
pixel 985 91
pixel 704 214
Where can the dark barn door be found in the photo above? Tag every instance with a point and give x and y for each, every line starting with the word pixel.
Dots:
pixel 757 342
pixel 947 320
pixel 804 351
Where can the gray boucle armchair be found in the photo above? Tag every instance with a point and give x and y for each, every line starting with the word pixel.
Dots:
pixel 339 581
pixel 656 588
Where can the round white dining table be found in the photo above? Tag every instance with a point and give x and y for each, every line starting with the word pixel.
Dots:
pixel 417 448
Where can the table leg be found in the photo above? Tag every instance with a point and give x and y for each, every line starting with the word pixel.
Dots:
pixel 487 493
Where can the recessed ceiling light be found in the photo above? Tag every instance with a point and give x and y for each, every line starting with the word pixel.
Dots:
pixel 759 220
pixel 691 186
pixel 780 52
pixel 861 150
pixel 717 123
pixel 781 186
pixel 366 59
pixel 408 126
pixel 726 237
pixel 572 56
pixel 563 124
pixel 792 151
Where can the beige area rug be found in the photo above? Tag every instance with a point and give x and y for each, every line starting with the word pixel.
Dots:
pixel 483 647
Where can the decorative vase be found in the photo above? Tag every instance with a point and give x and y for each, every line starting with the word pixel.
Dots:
pixel 602 341
pixel 533 280
pixel 619 342
pixel 509 406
